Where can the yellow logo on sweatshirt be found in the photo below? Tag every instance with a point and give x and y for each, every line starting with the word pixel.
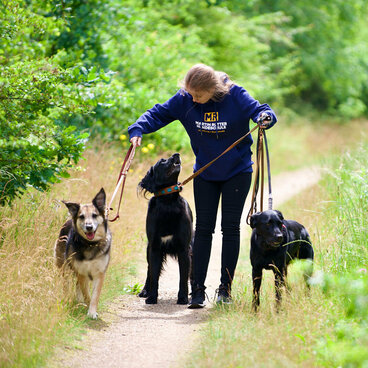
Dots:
pixel 210 116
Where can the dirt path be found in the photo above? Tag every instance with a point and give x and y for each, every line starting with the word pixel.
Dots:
pixel 133 334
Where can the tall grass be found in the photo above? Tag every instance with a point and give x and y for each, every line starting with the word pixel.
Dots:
pixel 345 280
pixel 35 313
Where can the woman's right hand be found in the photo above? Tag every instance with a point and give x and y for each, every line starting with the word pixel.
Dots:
pixel 136 141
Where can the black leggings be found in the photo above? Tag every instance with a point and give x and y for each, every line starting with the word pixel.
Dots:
pixel 207 194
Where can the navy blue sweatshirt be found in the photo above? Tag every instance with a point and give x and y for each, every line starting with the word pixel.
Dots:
pixel 212 127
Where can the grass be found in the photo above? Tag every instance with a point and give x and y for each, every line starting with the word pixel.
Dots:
pixel 35 314
pixel 235 337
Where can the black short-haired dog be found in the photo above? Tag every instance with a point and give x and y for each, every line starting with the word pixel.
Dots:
pixel 275 242
pixel 169 227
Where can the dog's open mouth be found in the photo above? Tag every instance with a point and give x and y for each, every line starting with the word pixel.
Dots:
pixel 176 159
pixel 175 165
pixel 275 244
pixel 175 168
pixel 90 235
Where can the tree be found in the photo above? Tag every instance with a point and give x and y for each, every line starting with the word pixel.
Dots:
pixel 36 94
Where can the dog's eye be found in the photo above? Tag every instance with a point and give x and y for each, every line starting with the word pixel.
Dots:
pixel 94 215
pixel 81 217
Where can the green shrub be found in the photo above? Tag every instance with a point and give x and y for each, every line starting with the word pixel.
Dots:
pixel 37 97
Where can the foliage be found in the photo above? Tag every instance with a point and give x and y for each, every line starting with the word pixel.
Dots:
pixel 98 65
pixel 331 54
pixel 133 289
pixel 80 37
pixel 347 346
pixel 37 95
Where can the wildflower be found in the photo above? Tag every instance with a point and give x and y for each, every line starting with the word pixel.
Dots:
pixel 123 137
pixel 150 146
pixel 145 149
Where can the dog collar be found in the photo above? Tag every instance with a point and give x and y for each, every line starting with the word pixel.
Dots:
pixel 169 190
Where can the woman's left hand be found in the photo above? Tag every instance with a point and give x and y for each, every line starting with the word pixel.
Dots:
pixel 264 120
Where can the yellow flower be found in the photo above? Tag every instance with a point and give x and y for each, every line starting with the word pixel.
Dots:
pixel 150 146
pixel 145 149
pixel 123 137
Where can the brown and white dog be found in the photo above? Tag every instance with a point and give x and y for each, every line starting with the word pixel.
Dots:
pixel 84 244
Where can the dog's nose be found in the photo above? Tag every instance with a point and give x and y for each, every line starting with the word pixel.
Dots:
pixel 279 237
pixel 89 227
pixel 176 158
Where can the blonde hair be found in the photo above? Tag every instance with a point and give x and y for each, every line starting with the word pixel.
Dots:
pixel 201 77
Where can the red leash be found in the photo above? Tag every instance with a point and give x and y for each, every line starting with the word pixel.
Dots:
pixel 121 181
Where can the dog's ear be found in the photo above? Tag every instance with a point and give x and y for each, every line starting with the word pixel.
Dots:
pixel 280 215
pixel 73 208
pixel 100 200
pixel 253 220
pixel 148 182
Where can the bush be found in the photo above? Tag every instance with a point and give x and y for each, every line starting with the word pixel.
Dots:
pixel 37 96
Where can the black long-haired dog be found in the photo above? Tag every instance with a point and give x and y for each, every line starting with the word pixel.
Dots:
pixel 275 242
pixel 169 227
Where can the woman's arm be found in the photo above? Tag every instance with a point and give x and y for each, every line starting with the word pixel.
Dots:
pixel 256 111
pixel 155 118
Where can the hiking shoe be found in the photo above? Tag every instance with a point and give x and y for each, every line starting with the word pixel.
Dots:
pixel 223 295
pixel 198 297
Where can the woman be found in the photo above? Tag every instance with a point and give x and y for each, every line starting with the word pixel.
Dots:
pixel 215 113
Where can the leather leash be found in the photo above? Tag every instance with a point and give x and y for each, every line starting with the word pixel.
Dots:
pixel 179 186
pixel 215 159
pixel 121 181
pixel 259 172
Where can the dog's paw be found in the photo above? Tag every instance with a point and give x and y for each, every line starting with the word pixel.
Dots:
pixel 92 314
pixel 143 293
pixel 151 300
pixel 182 301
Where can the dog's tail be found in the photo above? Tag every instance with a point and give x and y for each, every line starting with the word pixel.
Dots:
pixel 59 251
